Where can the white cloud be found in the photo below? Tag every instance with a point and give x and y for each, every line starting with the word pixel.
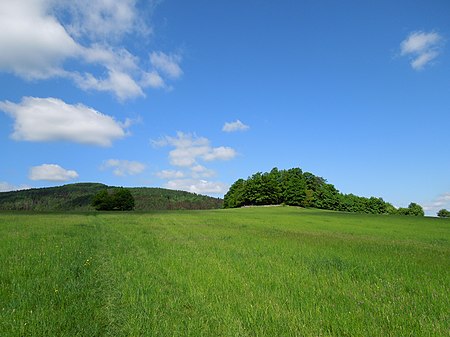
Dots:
pixel 188 151
pixel 417 42
pixel 7 187
pixel 170 174
pixel 51 172
pixel 197 186
pixel 113 58
pixel 187 156
pixel 37 37
pixel 118 82
pixel 193 173
pixel 220 153
pixel 102 19
pixel 123 168
pixel 152 79
pixel 168 64
pixel 235 126
pixel 442 201
pixel 51 119
pixel 199 171
pixel 422 48
pixel 33 43
pixel 421 60
pixel 190 148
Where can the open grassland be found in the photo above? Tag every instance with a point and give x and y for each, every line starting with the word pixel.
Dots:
pixel 244 272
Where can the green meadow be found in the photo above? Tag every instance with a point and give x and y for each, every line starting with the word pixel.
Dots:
pixel 268 271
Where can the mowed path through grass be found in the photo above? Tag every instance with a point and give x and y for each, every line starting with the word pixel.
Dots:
pixel 248 272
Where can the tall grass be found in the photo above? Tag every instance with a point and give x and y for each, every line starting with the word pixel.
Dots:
pixel 246 272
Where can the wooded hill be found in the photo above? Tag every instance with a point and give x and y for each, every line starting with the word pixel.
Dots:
pixel 297 188
pixel 78 197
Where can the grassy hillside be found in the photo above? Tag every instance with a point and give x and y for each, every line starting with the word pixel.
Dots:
pixel 276 271
pixel 78 197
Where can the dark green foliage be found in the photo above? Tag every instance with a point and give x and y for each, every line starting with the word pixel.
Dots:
pixel 294 186
pixel 67 197
pixel 79 197
pixel 443 213
pixel 413 209
pixel 147 199
pixel 297 188
pixel 123 200
pixel 119 199
pixel 102 201
pixel 235 195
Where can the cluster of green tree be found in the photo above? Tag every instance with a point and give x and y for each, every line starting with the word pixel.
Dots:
pixel 443 213
pixel 297 188
pixel 78 197
pixel 413 209
pixel 118 199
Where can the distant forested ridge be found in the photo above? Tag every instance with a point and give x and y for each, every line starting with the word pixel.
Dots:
pixel 78 197
pixel 297 188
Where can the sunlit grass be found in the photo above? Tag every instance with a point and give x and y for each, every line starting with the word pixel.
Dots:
pixel 246 272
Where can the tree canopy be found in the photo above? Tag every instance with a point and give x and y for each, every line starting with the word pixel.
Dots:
pixel 119 199
pixel 413 209
pixel 443 213
pixel 297 188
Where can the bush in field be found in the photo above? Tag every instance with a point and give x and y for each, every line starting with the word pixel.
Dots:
pixel 443 213
pixel 120 199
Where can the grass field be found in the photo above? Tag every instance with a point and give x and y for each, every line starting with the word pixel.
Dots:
pixel 276 271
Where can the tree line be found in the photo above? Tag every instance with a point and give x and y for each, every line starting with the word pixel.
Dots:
pixel 294 187
pixel 79 197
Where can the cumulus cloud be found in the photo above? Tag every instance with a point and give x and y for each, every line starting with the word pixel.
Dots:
pixel 152 79
pixel 197 186
pixel 442 201
pixel 200 171
pixel 7 187
pixel 33 43
pixel 219 153
pixel 51 172
pixel 51 119
pixel 116 81
pixel 38 37
pixel 168 64
pixel 170 174
pixel 189 149
pixel 102 19
pixel 235 126
pixel 123 168
pixel 421 48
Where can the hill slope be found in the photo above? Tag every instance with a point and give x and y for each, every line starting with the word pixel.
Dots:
pixel 78 197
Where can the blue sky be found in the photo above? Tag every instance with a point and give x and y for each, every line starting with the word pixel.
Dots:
pixel 194 95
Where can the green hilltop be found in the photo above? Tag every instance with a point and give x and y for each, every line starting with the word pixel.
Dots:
pixel 78 197
pixel 294 187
